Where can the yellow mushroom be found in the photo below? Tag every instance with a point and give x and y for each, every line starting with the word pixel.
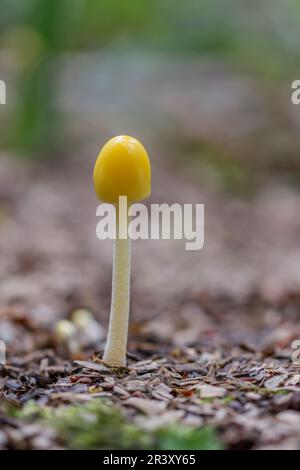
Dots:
pixel 65 333
pixel 122 169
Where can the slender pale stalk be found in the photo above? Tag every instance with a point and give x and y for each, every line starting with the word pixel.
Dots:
pixel 115 350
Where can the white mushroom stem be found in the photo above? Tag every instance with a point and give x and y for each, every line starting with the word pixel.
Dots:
pixel 115 350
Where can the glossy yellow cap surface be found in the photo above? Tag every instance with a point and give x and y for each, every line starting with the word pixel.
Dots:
pixel 122 169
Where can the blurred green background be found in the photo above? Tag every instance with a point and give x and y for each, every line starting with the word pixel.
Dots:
pixel 208 79
pixel 206 87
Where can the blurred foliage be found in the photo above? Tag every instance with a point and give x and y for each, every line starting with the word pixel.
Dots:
pixel 99 424
pixel 186 438
pixel 262 38
pixel 95 425
pixel 221 169
pixel 37 31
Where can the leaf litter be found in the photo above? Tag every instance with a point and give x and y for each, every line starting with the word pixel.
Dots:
pixel 247 389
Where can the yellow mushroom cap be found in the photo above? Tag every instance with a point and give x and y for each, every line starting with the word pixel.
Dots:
pixel 122 169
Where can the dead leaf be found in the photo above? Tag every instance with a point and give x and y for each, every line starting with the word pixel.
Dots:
pixel 276 381
pixel 211 391
pixel 149 407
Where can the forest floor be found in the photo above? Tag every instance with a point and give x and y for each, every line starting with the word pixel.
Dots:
pixel 210 337
pixel 244 387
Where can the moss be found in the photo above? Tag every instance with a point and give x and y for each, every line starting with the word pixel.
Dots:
pixel 188 438
pixel 99 424
pixel 96 425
